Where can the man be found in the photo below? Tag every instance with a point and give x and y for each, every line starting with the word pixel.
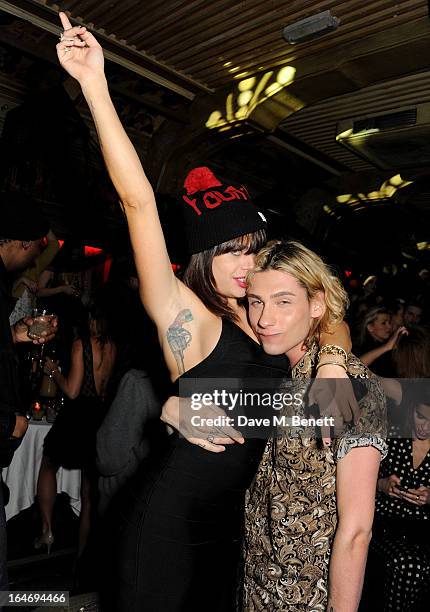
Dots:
pixel 413 314
pixel 22 231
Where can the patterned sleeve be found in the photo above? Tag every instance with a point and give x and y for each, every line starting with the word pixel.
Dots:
pixel 347 443
pixel 371 429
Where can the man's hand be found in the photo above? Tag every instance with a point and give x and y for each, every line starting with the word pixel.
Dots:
pixel 178 413
pixel 21 425
pixel 20 331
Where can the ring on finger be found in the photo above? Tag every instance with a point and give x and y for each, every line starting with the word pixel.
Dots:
pixel 210 438
pixel 66 50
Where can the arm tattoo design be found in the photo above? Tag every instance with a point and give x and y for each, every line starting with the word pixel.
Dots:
pixel 179 338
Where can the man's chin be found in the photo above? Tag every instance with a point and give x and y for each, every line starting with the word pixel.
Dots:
pixel 271 349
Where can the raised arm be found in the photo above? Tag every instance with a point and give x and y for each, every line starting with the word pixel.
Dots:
pixel 82 56
pixel 356 480
pixel 168 302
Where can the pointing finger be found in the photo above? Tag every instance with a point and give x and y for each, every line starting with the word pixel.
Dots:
pixel 65 21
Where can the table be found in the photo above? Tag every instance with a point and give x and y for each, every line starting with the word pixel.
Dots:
pixel 21 475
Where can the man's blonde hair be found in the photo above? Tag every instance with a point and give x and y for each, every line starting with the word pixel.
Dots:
pixel 311 273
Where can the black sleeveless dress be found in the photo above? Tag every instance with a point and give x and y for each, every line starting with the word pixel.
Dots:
pixel 181 520
pixel 71 441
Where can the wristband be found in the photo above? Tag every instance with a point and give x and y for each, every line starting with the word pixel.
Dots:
pixel 342 365
pixel 333 349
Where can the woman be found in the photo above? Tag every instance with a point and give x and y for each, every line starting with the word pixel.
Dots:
pixel 71 442
pixel 309 502
pixel 399 556
pixel 376 340
pixel 398 576
pixel 180 523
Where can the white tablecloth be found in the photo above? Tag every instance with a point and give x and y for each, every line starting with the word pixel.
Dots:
pixel 21 476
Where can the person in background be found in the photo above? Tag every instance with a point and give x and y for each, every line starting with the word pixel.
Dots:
pixel 411 355
pixel 375 340
pixel 398 577
pixel 71 442
pixel 397 308
pixel 130 429
pixel 26 287
pixel 22 232
pixel 413 313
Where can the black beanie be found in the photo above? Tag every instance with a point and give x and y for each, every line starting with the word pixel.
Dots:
pixel 21 218
pixel 215 213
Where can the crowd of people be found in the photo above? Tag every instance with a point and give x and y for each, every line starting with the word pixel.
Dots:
pixel 178 516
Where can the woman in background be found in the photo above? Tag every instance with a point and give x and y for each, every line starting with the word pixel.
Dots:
pixel 71 442
pixel 398 576
pixel 375 340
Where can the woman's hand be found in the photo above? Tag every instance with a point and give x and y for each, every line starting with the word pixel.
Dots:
pixel 178 412
pixel 79 52
pixel 50 366
pixel 392 341
pixel 389 486
pixel 70 290
pixel 417 497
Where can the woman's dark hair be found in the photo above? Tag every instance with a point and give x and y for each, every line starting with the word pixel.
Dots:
pixel 102 329
pixel 199 277
pixel 415 393
pixel 101 320
pixel 411 355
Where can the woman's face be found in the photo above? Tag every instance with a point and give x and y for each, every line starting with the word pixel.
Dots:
pixel 230 270
pixel 422 422
pixel 281 313
pixel 380 329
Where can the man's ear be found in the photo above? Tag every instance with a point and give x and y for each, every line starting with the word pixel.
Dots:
pixel 25 244
pixel 318 305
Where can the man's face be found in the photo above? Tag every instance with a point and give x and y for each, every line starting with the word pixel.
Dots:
pixel 412 315
pixel 23 253
pixel 281 313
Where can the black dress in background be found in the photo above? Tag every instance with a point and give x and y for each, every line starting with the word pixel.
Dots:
pixel 180 522
pixel 71 441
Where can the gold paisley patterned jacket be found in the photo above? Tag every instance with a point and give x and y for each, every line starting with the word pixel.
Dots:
pixel 291 506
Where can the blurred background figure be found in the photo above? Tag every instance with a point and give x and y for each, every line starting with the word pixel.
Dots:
pixel 375 340
pixel 26 286
pixel 71 442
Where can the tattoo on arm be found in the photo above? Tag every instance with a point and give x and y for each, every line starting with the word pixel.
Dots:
pixel 179 338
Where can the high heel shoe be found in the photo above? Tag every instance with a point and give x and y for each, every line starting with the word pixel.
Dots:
pixel 46 539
